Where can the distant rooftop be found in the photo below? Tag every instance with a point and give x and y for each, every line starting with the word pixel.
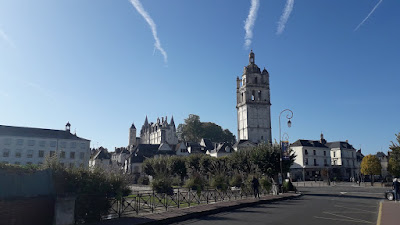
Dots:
pixel 37 133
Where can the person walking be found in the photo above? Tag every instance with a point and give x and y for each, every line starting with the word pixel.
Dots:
pixel 256 185
pixel 396 189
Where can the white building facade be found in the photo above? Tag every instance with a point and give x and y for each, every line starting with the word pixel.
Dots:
pixel 312 161
pixel 25 146
pixel 253 104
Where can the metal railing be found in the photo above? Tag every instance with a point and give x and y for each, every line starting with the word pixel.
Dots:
pixel 145 202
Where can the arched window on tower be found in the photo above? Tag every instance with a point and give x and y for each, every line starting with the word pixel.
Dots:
pixel 255 80
pixel 253 95
pixel 242 98
pixel 259 95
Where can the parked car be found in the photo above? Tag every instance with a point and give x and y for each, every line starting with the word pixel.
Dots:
pixel 389 195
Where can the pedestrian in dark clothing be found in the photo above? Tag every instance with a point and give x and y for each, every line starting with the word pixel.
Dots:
pixel 396 189
pixel 255 185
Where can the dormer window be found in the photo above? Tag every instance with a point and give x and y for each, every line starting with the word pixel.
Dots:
pixel 255 80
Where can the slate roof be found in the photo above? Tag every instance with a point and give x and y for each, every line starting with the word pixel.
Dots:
pixel 380 155
pixel 101 153
pixel 340 144
pixel 308 143
pixel 242 142
pixel 143 151
pixel 37 133
pixel 221 147
pixel 208 144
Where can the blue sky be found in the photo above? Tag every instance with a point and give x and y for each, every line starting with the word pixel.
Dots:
pixel 94 63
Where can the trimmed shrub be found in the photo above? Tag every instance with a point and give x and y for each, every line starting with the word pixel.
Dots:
pixel 220 182
pixel 266 184
pixel 144 180
pixel 163 185
pixel 288 186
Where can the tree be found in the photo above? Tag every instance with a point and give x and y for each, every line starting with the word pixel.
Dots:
pixel 370 165
pixel 193 130
pixel 394 158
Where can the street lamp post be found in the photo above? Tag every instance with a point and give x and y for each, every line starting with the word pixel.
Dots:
pixel 289 116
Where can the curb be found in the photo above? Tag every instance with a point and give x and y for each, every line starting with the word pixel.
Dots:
pixel 215 211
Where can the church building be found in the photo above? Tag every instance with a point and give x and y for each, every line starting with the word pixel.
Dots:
pixel 253 104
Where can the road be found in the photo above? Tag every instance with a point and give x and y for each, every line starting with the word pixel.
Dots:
pixel 342 205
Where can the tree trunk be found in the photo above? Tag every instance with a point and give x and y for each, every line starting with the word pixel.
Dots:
pixel 372 180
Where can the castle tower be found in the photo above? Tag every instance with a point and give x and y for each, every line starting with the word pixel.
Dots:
pixel 253 104
pixel 132 135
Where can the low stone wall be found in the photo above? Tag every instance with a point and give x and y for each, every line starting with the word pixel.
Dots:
pixel 27 211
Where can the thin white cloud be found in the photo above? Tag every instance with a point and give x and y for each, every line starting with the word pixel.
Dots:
pixel 249 23
pixel 157 44
pixel 370 13
pixel 5 37
pixel 285 16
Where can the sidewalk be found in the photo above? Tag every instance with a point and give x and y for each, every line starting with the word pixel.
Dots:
pixel 177 215
pixel 389 213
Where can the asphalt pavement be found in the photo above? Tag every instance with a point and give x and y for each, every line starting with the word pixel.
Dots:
pixel 343 204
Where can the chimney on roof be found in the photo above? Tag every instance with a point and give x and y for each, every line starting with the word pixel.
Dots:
pixel 68 127
pixel 347 141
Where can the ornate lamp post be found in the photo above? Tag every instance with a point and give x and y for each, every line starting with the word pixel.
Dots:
pixel 289 116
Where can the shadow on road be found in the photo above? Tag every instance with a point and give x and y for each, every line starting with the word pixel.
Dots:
pixel 343 196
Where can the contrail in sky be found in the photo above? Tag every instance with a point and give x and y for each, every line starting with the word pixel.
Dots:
pixel 285 16
pixel 372 11
pixel 6 38
pixel 157 44
pixel 249 23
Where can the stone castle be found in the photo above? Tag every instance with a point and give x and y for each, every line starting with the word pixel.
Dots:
pixel 154 133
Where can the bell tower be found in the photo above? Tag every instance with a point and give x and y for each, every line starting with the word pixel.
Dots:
pixel 253 104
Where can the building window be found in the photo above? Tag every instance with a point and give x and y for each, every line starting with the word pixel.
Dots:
pixel 72 155
pixel 325 162
pixel 305 152
pixel 315 162
pixel 255 80
pixel 31 142
pixel 242 98
pixel 7 141
pixel 41 153
pixel 18 154
pixel 53 144
pixel 306 161
pixel 334 154
pixel 52 153
pixel 42 143
pixel 348 163
pixel 314 152
pixel 29 154
pixel 352 154
pixel 82 155
pixel 73 144
pixel 62 155
pixel 324 153
pixel 253 95
pixel 6 153
pixel 20 141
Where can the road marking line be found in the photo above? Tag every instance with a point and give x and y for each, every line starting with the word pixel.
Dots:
pixel 326 218
pixel 347 217
pixel 353 208
pixel 378 222
pixel 351 212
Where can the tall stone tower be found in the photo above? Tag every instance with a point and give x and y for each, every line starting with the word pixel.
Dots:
pixel 253 104
pixel 132 135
